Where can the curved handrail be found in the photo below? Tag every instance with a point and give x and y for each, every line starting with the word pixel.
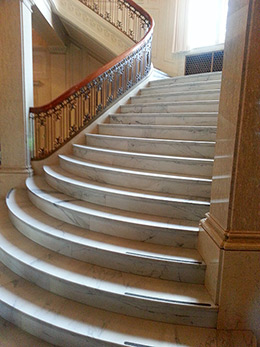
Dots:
pixel 99 88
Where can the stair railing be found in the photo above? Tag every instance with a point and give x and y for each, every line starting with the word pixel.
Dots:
pixel 56 123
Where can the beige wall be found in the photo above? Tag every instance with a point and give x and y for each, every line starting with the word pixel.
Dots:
pixel 55 69
pixel 163 13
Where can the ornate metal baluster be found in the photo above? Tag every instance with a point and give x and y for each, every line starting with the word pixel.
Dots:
pixel 52 127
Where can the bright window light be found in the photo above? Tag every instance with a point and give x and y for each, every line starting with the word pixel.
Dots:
pixel 206 22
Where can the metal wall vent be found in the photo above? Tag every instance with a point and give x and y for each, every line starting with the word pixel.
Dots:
pixel 204 62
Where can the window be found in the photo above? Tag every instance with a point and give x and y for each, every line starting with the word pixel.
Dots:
pixel 206 22
pixel 199 23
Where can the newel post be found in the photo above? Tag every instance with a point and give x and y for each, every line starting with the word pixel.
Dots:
pixel 229 240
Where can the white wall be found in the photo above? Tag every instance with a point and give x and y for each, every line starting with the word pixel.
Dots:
pixel 163 13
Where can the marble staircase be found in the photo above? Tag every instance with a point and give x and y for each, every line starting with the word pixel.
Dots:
pixel 102 250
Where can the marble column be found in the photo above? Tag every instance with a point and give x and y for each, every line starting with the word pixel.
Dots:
pixel 230 235
pixel 16 91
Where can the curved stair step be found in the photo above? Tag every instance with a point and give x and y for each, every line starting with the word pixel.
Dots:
pixel 138 296
pixel 144 161
pixel 185 148
pixel 64 322
pixel 129 225
pixel 139 179
pixel 192 118
pixel 171 132
pixel 126 199
pixel 140 258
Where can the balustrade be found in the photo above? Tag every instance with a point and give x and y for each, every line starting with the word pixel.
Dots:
pixel 56 123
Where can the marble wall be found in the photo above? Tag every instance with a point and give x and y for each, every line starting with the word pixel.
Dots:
pixel 239 295
pixel 16 90
pixel 229 112
pixel 230 235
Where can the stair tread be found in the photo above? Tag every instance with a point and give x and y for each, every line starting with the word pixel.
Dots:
pixel 65 176
pixel 37 186
pixel 101 279
pixel 12 336
pixel 158 126
pixel 189 102
pixel 186 92
pixel 150 139
pixel 20 205
pixel 170 115
pixel 197 83
pixel 90 325
pixel 139 172
pixel 210 76
pixel 143 155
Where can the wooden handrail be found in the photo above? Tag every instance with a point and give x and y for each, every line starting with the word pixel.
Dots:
pixel 68 97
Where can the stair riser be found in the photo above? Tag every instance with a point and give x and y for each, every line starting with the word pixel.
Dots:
pixel 179 97
pixel 181 88
pixel 190 133
pixel 131 180
pixel 165 108
pixel 177 166
pixel 179 210
pixel 55 335
pixel 132 231
pixel 187 79
pixel 121 303
pixel 135 264
pixel 172 120
pixel 189 149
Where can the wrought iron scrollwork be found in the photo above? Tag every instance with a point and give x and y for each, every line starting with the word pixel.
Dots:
pixel 65 117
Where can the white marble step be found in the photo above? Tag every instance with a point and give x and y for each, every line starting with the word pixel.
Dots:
pixel 125 224
pixel 12 336
pixel 185 148
pixel 202 118
pixel 140 258
pixel 152 162
pixel 137 179
pixel 203 85
pixel 159 74
pixel 176 96
pixel 216 76
pixel 134 200
pixel 170 132
pixel 170 107
pixel 66 323
pixel 111 290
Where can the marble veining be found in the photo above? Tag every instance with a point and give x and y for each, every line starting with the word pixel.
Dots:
pixel 182 87
pixel 177 132
pixel 138 201
pixel 141 258
pixel 127 177
pixel 178 106
pixel 177 96
pixel 195 149
pixel 195 119
pixel 103 248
